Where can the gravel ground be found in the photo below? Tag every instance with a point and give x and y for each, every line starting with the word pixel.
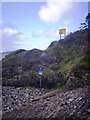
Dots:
pixel 62 105
pixel 13 98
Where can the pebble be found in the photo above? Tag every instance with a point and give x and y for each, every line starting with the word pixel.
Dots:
pixel 88 110
pixel 75 106
pixel 70 99
pixel 26 95
pixel 88 118
pixel 80 98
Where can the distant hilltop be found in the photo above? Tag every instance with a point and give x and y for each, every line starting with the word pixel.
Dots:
pixel 3 54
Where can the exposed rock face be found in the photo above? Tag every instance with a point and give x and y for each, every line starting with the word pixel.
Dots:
pixel 63 105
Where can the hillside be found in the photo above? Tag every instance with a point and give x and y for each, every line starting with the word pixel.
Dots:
pixel 61 60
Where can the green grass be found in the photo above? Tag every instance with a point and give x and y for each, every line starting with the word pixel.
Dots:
pixel 61 87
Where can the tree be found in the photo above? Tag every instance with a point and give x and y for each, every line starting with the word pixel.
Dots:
pixel 86 24
pixel 88 20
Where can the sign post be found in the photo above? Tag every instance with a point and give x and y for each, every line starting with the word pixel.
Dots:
pixel 40 71
pixel 62 31
pixel 40 82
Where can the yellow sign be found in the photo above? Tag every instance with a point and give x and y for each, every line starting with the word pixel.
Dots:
pixel 62 31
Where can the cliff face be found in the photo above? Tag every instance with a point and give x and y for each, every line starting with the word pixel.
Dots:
pixel 60 60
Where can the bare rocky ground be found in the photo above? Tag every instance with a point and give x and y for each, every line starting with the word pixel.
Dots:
pixel 13 97
pixel 23 103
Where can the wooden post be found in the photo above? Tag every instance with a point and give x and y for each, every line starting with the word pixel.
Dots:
pixel 40 81
pixel 60 36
